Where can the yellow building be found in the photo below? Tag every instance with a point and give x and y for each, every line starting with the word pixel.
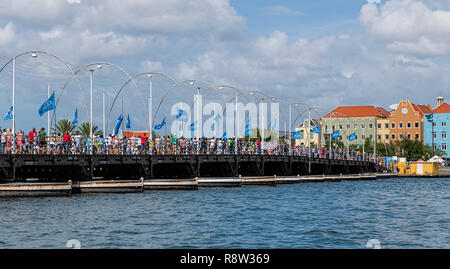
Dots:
pixel 383 130
pixel 304 128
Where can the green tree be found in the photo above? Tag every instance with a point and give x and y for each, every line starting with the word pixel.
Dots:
pixel 63 126
pixel 85 129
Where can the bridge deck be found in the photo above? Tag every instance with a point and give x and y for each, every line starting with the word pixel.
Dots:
pixel 88 167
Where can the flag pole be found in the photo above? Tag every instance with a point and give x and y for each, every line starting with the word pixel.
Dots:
pixel 48 114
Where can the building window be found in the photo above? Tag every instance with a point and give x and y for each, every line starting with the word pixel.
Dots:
pixel 416 136
pixel 348 126
pixel 363 137
pixel 386 126
pixel 409 136
pixel 363 126
pixel 393 136
pixel 408 125
pixel 444 146
pixel 355 126
pixel 379 137
pixel 444 135
pixel 370 137
pixel 333 127
pixel 370 126
pixel 386 137
pixel 340 126
pixel 400 125
pixel 434 124
pixel 434 146
pixel 416 124
pixel 434 134
pixel 444 124
pixel 379 125
pixel 393 125
pixel 400 136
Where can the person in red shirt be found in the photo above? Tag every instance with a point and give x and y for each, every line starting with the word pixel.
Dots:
pixel 144 143
pixel 66 139
pixel 31 136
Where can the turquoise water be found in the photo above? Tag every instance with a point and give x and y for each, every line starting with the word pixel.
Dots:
pixel 400 213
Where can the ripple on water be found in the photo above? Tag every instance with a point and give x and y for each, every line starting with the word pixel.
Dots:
pixel 401 213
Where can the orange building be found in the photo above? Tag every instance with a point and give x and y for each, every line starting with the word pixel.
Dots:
pixel 407 121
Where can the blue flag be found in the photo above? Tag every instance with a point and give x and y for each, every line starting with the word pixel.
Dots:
pixel 429 117
pixel 159 126
pixel 128 122
pixel 247 128
pixel 296 135
pixel 224 136
pixel 182 116
pixel 316 129
pixel 9 115
pixel 335 134
pixel 48 105
pixel 75 120
pixel 352 137
pixel 193 126
pixel 118 123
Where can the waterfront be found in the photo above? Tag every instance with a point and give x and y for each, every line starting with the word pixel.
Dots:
pixel 399 212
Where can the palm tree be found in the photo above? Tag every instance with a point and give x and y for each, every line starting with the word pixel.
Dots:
pixel 85 131
pixel 63 126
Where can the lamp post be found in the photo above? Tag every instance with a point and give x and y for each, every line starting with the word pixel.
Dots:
pixel 91 134
pixel 14 106
pixel 150 111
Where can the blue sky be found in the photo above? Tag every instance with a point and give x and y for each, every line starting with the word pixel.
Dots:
pixel 327 53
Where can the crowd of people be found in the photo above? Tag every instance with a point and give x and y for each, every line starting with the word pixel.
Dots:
pixel 38 142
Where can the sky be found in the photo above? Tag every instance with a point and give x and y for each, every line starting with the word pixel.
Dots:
pixel 324 53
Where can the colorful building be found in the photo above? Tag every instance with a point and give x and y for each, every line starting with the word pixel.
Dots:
pixel 436 132
pixel 361 120
pixel 304 128
pixel 407 121
pixel 383 129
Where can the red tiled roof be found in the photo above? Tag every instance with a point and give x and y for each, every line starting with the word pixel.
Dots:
pixel 423 109
pixel 384 111
pixel 356 111
pixel 444 108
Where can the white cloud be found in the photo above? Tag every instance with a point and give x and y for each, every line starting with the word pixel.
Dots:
pixel 282 10
pixel 409 26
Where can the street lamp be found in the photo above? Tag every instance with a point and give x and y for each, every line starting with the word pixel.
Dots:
pixel 91 135
pixel 150 111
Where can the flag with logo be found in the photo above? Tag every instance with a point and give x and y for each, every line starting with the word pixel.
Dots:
pixel 159 126
pixel 128 122
pixel 335 134
pixel 316 129
pixel 75 120
pixel 247 128
pixel 118 123
pixel 429 117
pixel 182 115
pixel 48 105
pixel 352 137
pixel 296 135
pixel 9 115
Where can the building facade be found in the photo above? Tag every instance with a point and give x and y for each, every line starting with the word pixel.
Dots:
pixel 304 129
pixel 361 120
pixel 407 121
pixel 383 130
pixel 436 132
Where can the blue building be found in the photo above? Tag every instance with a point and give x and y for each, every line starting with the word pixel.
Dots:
pixel 436 132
